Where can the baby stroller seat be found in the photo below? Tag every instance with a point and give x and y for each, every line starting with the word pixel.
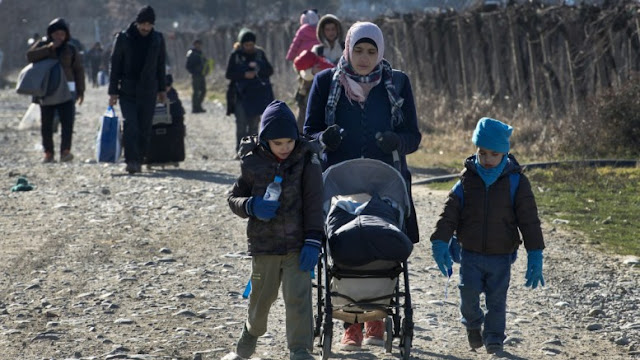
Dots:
pixel 365 202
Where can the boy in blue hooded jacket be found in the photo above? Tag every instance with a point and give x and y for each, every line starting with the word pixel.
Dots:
pixel 284 235
pixel 487 222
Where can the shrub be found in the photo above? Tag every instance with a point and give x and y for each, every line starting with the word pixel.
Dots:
pixel 611 126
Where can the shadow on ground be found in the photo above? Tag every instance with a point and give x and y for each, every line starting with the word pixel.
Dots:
pixel 186 174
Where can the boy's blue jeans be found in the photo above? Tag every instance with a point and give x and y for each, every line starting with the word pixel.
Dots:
pixel 489 274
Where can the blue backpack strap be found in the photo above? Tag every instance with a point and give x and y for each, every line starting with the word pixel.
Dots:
pixel 514 182
pixel 457 189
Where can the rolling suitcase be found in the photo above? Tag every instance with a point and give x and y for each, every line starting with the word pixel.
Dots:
pixel 166 143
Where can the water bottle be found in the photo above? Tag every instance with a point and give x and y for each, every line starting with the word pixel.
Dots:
pixel 274 189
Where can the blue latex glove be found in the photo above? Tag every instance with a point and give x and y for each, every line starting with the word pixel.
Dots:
pixel 262 209
pixel 309 254
pixel 534 269
pixel 441 256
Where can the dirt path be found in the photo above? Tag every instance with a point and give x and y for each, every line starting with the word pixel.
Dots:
pixel 96 264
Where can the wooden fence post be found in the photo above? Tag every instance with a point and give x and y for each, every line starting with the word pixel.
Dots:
pixel 462 57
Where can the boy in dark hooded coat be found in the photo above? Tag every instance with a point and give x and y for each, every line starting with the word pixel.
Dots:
pixel 284 235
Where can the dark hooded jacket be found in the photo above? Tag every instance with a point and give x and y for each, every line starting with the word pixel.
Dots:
pixel 69 57
pixel 489 221
pixel 252 94
pixel 136 73
pixel 299 216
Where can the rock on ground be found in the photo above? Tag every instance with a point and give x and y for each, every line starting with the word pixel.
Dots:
pixel 97 264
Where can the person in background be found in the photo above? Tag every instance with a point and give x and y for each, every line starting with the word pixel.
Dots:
pixel 197 67
pixel 329 33
pixel 487 222
pixel 137 79
pixel 364 109
pixel 285 234
pixel 175 105
pixel 56 46
pixel 95 60
pixel 250 89
pixel 304 40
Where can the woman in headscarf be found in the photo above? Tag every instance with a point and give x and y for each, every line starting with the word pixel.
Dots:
pixel 364 109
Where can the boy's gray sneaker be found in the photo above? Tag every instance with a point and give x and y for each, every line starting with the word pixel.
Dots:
pixel 494 348
pixel 246 344
pixel 475 338
pixel 300 354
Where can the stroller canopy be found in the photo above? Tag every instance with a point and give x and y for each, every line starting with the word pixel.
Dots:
pixel 365 176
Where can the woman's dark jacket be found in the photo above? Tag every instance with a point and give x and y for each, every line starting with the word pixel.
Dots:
pixel 252 94
pixel 361 124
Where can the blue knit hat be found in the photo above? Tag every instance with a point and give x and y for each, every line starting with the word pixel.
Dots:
pixel 492 134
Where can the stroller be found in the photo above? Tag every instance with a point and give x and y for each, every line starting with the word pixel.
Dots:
pixel 358 277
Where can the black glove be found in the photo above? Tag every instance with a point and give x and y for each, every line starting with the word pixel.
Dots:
pixel 332 137
pixel 388 141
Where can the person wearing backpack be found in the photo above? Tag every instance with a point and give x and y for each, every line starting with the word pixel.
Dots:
pixel 56 46
pixel 363 108
pixel 487 209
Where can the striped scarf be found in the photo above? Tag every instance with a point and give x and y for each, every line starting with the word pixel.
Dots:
pixel 382 71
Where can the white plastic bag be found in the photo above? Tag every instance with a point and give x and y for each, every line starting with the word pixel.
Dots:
pixel 31 118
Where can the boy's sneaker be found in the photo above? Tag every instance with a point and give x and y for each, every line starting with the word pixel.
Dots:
pixel 246 344
pixel 475 338
pixel 494 348
pixel 300 354
pixel 66 156
pixel 352 338
pixel 374 333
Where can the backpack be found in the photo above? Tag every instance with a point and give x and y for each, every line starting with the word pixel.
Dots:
pixel 454 246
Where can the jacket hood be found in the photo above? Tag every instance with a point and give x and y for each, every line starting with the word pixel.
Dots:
pixel 278 122
pixel 326 19
pixel 58 24
pixel 246 35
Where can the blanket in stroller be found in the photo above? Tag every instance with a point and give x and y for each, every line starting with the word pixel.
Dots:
pixel 361 233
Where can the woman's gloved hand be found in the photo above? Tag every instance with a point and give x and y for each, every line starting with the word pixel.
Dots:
pixel 262 209
pixel 332 137
pixel 534 269
pixel 441 256
pixel 388 141
pixel 309 254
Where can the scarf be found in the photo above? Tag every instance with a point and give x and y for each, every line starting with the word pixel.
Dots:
pixel 345 77
pixel 489 176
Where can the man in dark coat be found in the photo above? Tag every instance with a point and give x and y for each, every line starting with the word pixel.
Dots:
pixel 197 67
pixel 137 78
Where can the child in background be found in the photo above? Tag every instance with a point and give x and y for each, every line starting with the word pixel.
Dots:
pixel 486 219
pixel 284 235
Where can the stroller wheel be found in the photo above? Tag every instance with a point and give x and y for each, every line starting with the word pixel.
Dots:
pixel 406 337
pixel 316 327
pixel 325 341
pixel 388 344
